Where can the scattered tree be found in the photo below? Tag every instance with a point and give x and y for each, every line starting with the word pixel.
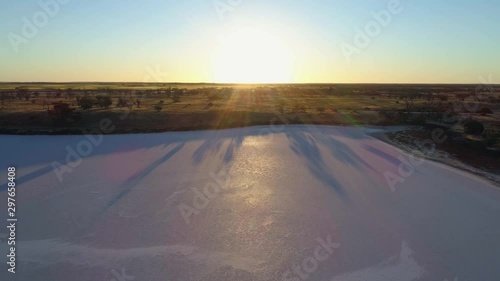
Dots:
pixel 122 102
pixel 176 97
pixel 103 101
pixel 22 93
pixel 85 102
pixel 3 97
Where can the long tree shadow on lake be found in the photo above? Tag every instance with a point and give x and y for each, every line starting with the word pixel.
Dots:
pixel 216 142
pixel 306 146
pixel 134 180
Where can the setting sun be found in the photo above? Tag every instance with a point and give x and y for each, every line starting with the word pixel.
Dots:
pixel 252 56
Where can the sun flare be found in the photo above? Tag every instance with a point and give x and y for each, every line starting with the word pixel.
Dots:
pixel 252 56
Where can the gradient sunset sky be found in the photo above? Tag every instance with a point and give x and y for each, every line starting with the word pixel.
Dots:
pixel 426 41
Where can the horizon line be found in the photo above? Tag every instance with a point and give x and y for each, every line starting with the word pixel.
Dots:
pixel 238 83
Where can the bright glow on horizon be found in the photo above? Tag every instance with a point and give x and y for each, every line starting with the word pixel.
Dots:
pixel 252 56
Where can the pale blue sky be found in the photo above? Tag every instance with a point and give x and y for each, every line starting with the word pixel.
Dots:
pixel 111 40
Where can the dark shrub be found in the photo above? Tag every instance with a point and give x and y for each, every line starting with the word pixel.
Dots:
pixel 473 127
pixel 85 102
pixel 103 101
pixel 106 102
pixel 485 111
pixel 122 102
